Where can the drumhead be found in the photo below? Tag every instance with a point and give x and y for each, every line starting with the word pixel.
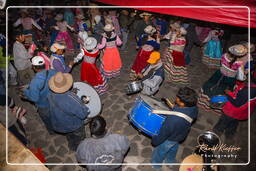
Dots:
pixel 94 104
pixel 154 103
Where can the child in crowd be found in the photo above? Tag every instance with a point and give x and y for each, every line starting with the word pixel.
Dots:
pixel 175 128
pixel 148 43
pixel 236 109
pixel 98 28
pixel 89 70
pixel 225 77
pixel 57 59
pixel 63 32
pixel 153 74
pixel 175 61
pixel 111 61
pixel 69 17
pixel 27 24
pixel 102 147
pixel 50 22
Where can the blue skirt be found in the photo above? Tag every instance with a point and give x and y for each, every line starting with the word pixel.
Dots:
pixel 213 49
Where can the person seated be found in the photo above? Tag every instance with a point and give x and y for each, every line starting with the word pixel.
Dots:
pixel 175 128
pixel 57 59
pixel 153 75
pixel 103 147
pixel 67 111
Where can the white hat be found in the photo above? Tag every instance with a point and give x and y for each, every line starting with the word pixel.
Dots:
pixel 109 27
pixel 183 31
pixel 150 30
pixel 97 18
pixel 57 46
pixel 175 25
pixel 59 17
pixel 90 43
pixel 24 10
pixel 238 50
pixel 80 16
pixel 37 61
pixel 145 14
pixel 83 35
pixel 252 46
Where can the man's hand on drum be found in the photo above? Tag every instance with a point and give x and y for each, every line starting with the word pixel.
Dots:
pixel 227 91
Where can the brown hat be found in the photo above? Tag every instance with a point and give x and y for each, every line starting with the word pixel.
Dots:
pixel 61 82
pixel 193 158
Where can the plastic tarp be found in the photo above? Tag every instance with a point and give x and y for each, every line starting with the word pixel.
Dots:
pixel 231 12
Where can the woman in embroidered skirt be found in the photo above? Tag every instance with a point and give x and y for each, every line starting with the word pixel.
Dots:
pixel 149 42
pixel 174 57
pixel 224 78
pixel 89 70
pixel 213 49
pixel 63 32
pixel 111 61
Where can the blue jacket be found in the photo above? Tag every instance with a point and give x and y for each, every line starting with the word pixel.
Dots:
pixel 67 112
pixel 38 89
pixel 175 128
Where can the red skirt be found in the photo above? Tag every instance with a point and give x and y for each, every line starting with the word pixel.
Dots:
pixel 141 61
pixel 178 58
pixel 91 74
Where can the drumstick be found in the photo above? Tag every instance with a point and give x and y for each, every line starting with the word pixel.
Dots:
pixel 168 102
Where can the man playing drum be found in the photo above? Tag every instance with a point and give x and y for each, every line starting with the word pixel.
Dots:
pixel 153 74
pixel 175 128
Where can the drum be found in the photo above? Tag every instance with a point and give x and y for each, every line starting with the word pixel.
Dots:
pixel 134 87
pixel 217 102
pixel 141 115
pixel 90 97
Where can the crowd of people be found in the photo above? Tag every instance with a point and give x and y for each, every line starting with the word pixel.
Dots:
pixel 37 66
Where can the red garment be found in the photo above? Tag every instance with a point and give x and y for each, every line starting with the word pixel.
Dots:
pixel 239 113
pixel 89 71
pixel 141 61
pixel 178 58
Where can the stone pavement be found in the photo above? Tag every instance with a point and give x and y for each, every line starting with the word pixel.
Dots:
pixel 116 105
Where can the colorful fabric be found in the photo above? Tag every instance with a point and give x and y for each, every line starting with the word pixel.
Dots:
pixel 227 69
pixel 175 66
pixel 212 53
pixel 141 60
pixel 111 63
pixel 66 37
pixel 91 74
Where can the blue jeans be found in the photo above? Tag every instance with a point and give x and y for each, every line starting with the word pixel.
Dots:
pixel 165 152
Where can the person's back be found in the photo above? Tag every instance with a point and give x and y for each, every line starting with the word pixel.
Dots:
pixel 109 149
pixel 103 147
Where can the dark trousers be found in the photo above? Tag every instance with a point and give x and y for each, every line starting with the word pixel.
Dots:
pixel 44 114
pixel 74 138
pixel 227 124
pixel 13 129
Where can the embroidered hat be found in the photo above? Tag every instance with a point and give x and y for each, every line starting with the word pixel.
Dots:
pixel 90 43
pixel 97 18
pixel 80 16
pixel 252 46
pixel 109 27
pixel 183 31
pixel 83 35
pixel 24 11
pixel 59 17
pixel 60 82
pixel 175 25
pixel 37 61
pixel 150 30
pixel 154 57
pixel 145 14
pixel 238 50
pixel 193 158
pixel 56 46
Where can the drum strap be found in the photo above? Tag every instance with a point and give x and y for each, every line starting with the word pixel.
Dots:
pixel 179 114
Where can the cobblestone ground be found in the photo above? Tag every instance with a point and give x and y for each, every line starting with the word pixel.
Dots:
pixel 115 109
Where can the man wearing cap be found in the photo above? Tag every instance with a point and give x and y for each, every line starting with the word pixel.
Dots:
pixel 22 60
pixel 153 74
pixel 67 110
pixel 38 89
pixel 57 59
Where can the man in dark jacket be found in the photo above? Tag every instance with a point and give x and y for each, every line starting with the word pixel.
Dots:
pixel 67 110
pixel 175 128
